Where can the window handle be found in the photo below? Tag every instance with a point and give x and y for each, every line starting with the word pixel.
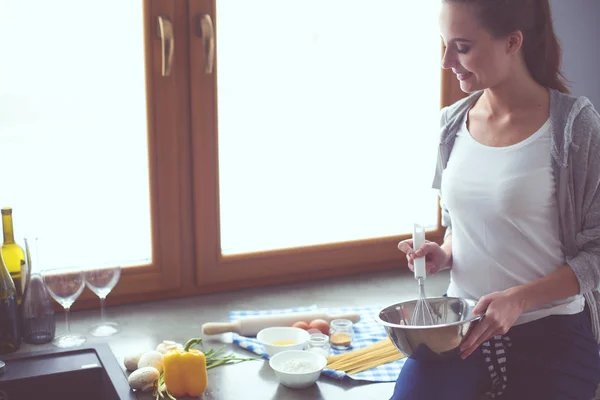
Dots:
pixel 206 31
pixel 167 44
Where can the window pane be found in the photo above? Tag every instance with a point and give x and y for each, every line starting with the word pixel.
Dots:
pixel 328 120
pixel 73 131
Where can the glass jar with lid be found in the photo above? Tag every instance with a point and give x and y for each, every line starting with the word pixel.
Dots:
pixel 319 343
pixel 341 334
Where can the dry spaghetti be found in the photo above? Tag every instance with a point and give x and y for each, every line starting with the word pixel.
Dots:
pixel 365 358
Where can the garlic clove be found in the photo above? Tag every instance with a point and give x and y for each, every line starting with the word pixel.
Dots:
pixel 168 345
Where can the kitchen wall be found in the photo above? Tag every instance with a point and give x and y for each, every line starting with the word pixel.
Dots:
pixel 577 24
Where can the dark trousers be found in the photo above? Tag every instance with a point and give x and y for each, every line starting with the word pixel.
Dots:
pixel 553 358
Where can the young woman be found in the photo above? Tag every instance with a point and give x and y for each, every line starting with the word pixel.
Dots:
pixel 519 181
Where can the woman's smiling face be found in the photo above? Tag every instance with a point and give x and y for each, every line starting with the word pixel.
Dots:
pixel 479 60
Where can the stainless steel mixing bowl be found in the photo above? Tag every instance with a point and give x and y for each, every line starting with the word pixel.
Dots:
pixel 441 340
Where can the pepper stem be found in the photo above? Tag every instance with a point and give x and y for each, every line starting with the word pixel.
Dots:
pixel 191 343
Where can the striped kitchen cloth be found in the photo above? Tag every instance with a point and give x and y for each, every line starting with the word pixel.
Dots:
pixel 367 331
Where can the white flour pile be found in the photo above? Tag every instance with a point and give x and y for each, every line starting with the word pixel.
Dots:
pixel 295 366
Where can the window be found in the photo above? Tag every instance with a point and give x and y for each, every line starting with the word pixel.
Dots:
pixel 304 144
pixel 74 145
pixel 89 136
pixel 317 122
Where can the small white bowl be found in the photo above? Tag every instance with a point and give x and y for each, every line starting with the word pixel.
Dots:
pixel 269 337
pixel 297 380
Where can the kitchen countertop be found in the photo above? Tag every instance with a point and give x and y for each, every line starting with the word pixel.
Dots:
pixel 145 325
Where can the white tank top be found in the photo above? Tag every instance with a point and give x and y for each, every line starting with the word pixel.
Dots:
pixel 505 228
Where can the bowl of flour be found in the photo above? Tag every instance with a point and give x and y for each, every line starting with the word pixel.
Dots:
pixel 297 369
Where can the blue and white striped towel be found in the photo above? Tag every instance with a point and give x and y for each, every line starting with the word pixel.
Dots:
pixel 367 331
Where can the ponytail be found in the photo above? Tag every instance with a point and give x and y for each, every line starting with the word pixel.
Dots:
pixel 541 49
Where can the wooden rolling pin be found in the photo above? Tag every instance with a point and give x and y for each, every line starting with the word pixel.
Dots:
pixel 250 326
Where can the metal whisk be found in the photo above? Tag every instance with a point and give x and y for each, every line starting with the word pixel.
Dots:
pixel 422 314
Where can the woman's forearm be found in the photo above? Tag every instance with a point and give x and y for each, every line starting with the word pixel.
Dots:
pixel 557 285
pixel 447 247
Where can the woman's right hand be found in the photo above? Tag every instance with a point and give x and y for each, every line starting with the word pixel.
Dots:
pixel 436 259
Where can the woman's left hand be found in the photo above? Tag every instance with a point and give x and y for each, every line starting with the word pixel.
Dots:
pixel 502 309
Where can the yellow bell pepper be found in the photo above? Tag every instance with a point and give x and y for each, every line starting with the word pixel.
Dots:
pixel 185 371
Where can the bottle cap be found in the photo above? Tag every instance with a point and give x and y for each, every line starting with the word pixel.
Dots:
pixel 1 367
pixel 6 210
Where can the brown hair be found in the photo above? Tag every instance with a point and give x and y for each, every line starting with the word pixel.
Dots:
pixel 541 48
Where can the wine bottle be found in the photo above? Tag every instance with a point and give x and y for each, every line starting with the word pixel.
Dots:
pixel 10 337
pixel 13 253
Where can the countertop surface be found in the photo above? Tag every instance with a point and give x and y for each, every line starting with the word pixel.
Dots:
pixel 145 325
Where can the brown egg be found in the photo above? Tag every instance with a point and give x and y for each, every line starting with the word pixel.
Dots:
pixel 321 325
pixel 313 330
pixel 301 325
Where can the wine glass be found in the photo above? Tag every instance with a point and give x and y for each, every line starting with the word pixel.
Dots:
pixel 101 281
pixel 65 285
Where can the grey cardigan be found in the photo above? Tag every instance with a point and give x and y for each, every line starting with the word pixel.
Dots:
pixel 576 164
